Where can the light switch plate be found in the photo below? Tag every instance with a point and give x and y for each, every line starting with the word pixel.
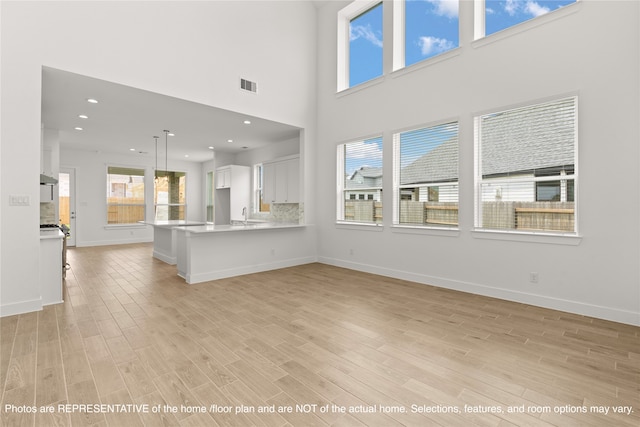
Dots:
pixel 19 200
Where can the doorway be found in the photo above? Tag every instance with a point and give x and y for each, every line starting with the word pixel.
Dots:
pixel 67 202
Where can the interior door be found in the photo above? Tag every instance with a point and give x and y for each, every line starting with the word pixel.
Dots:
pixel 67 202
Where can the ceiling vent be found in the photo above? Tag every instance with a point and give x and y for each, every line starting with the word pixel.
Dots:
pixel 248 85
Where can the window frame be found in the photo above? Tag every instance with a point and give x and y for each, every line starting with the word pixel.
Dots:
pixel 345 16
pixel 169 205
pixel 341 189
pixel 535 234
pixel 398 187
pixel 143 205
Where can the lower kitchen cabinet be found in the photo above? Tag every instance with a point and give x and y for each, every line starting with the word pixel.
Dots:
pixel 51 266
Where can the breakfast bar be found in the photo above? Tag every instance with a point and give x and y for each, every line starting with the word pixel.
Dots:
pixel 164 237
pixel 211 252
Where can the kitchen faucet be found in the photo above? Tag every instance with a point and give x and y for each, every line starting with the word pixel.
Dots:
pixel 245 214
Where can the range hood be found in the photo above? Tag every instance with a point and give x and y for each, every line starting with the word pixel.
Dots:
pixel 47 180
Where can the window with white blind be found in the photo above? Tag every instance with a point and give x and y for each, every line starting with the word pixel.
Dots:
pixel 360 181
pixel 125 195
pixel 526 168
pixel 426 176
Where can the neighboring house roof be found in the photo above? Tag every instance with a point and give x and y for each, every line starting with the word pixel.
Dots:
pixel 438 165
pixel 543 137
pixel 365 177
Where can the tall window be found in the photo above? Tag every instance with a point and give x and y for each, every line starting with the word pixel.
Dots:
pixel 360 181
pixel 170 195
pixel 258 199
pixel 526 168
pixel 365 46
pixel 501 14
pixel 125 195
pixel 431 28
pixel 426 176
pixel 210 196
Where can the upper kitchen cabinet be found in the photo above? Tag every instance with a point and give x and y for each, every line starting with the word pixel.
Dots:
pixel 232 176
pixel 282 180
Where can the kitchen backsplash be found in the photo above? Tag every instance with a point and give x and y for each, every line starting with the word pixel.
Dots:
pixel 286 212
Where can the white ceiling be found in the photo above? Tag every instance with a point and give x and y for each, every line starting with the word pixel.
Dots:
pixel 127 118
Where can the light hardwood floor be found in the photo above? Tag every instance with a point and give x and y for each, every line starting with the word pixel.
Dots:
pixel 131 332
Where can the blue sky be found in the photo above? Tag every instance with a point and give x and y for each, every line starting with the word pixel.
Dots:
pixel 431 28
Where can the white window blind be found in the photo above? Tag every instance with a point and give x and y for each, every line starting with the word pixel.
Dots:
pixel 360 181
pixel 426 169
pixel 526 168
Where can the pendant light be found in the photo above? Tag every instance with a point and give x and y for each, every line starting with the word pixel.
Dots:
pixel 166 152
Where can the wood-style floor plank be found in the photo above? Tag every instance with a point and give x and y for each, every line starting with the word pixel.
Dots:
pixel 311 345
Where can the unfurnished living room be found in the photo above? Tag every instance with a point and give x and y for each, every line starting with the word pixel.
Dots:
pixel 294 213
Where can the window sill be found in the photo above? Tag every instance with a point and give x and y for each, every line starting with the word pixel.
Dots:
pixel 123 226
pixel 527 25
pixel 369 226
pixel 455 52
pixel 361 86
pixel 426 230
pixel 528 237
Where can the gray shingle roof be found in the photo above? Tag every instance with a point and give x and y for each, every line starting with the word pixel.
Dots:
pixel 438 165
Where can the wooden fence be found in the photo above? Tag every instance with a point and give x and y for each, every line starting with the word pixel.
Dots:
pixel 550 216
pixel 430 213
pixel 130 213
pixel 363 211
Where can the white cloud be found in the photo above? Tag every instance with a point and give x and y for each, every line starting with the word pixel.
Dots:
pixel 448 8
pixel 363 150
pixel 511 7
pixel 432 45
pixel 535 9
pixel 358 31
pixel 490 11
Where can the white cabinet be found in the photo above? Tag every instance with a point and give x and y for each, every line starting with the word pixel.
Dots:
pixel 223 177
pixel 282 181
pixel 51 266
pixel 237 180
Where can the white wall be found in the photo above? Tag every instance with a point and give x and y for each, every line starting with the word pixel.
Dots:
pixel 91 215
pixel 191 50
pixel 593 52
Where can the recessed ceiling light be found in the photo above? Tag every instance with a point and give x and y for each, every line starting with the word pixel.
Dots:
pixel 247 122
pixel 78 128
pixel 171 134
pixel 132 149
pixel 229 140
pixel 82 116
pixel 211 148
pixel 186 155
pixel 92 101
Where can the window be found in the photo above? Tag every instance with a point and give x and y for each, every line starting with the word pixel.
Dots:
pixel 426 176
pixel 359 43
pixel 360 181
pixel 430 28
pixel 526 168
pixel 210 196
pixel 170 195
pixel 258 181
pixel 125 195
pixel 501 14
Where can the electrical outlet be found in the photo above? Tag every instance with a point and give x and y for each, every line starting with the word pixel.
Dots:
pixel 533 277
pixel 350 251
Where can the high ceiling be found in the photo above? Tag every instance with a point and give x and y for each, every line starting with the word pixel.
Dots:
pixel 126 119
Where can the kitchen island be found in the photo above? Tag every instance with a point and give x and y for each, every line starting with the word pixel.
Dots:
pixel 164 237
pixel 211 252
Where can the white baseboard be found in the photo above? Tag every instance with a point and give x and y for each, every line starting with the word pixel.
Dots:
pixel 576 307
pixel 249 269
pixel 165 258
pixel 21 307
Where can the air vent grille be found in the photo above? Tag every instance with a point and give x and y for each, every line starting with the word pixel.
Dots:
pixel 248 85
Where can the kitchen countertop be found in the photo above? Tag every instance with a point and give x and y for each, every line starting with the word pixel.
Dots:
pixel 220 228
pixel 173 223
pixel 51 233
